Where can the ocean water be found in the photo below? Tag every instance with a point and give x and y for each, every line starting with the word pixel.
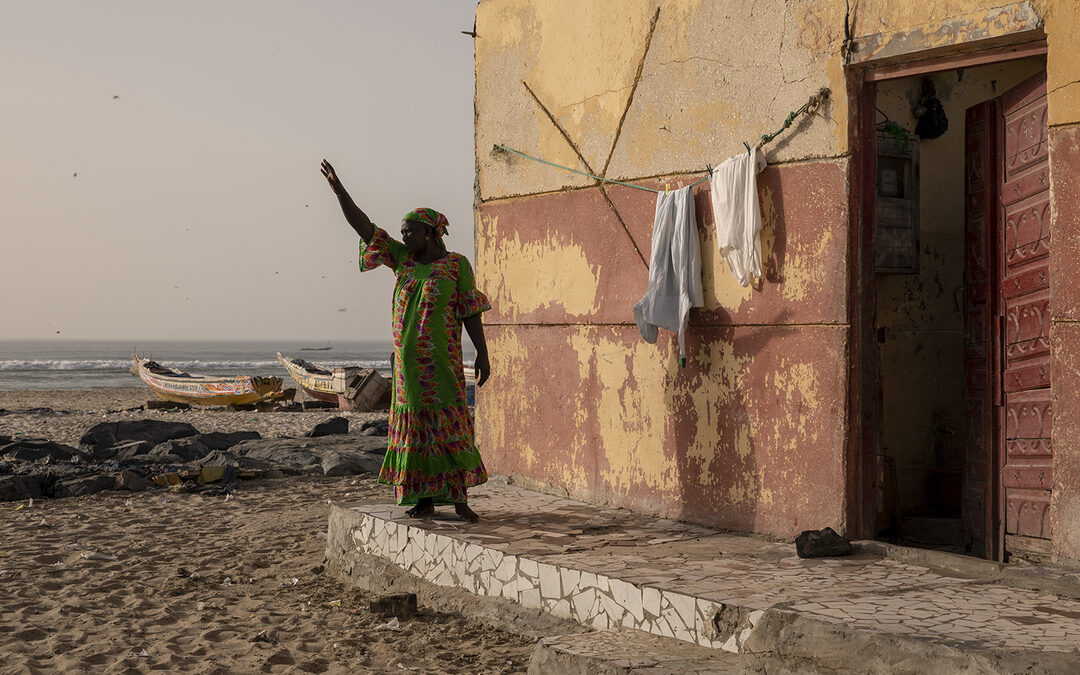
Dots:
pixel 56 364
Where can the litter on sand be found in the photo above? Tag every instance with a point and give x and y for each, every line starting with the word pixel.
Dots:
pixel 94 555
pixel 392 624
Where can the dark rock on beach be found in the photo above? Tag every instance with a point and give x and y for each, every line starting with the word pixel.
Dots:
pixel 343 463
pixel 152 432
pixel 150 464
pixel 335 426
pixel 125 455
pixel 129 480
pixel 224 458
pixel 123 451
pixel 282 451
pixel 192 448
pixel 329 456
pixel 224 441
pixel 185 449
pixel 38 449
pixel 84 485
pixel 375 428
pixel 16 488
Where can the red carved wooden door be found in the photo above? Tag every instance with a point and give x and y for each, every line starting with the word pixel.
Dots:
pixel 1008 462
pixel 1027 471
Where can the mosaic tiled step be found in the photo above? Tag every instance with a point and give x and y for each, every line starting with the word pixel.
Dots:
pixel 598 600
pixel 609 568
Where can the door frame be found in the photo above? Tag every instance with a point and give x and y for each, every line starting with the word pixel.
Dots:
pixel 864 392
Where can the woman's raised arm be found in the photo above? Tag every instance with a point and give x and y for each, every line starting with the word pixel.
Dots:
pixel 356 218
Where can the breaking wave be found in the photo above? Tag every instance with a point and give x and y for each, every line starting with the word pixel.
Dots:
pixel 25 365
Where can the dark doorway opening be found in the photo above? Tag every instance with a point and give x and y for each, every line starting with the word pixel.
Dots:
pixel 938 425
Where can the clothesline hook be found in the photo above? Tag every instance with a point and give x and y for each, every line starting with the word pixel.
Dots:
pixel 747 147
pixel 708 167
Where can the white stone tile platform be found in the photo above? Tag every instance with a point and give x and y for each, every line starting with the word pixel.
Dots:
pixel 609 568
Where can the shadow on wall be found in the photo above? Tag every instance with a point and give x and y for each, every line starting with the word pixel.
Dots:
pixel 712 418
pixel 773 228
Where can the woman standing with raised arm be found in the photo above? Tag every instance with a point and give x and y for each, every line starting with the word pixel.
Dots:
pixel 431 456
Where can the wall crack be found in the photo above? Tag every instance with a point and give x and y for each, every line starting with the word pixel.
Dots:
pixel 1062 86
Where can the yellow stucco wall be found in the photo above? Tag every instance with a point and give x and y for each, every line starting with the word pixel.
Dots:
pixel 702 89
pixel 715 74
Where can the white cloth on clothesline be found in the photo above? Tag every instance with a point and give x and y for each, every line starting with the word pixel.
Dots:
pixel 674 269
pixel 733 193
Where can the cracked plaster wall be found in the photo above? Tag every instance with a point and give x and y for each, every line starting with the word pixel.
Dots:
pixel 703 88
pixel 628 429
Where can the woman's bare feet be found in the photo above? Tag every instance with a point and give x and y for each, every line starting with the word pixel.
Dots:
pixel 424 507
pixel 465 513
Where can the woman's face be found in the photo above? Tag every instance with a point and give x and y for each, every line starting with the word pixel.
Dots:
pixel 414 235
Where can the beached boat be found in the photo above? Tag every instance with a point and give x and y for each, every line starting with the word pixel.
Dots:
pixel 350 387
pixel 181 387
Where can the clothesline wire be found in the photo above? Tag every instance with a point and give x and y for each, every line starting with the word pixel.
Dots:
pixel 503 148
pixel 809 106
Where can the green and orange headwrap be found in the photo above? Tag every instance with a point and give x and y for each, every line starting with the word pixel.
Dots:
pixel 429 217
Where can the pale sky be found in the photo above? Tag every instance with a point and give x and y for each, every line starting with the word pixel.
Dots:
pixel 159 161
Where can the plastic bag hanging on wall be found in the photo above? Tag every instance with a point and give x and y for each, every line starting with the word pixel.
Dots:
pixel 930 113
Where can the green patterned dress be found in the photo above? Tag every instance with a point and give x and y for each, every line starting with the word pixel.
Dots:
pixel 431 452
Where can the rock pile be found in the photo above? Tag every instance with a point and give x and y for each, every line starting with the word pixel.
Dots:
pixel 124 455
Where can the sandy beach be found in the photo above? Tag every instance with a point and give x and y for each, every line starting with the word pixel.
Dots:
pixel 194 583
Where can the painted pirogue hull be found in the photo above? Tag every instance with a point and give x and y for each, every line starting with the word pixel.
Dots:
pixel 180 387
pixel 315 385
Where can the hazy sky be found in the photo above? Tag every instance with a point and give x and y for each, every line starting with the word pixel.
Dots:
pixel 159 161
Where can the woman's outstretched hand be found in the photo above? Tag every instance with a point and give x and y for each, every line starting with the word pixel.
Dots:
pixel 331 177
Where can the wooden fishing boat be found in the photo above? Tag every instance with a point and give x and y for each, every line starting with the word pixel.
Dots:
pixel 350 387
pixel 181 387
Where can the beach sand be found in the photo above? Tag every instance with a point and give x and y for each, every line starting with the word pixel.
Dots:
pixel 199 583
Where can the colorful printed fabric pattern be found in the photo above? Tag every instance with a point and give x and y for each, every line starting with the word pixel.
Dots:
pixel 431 451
